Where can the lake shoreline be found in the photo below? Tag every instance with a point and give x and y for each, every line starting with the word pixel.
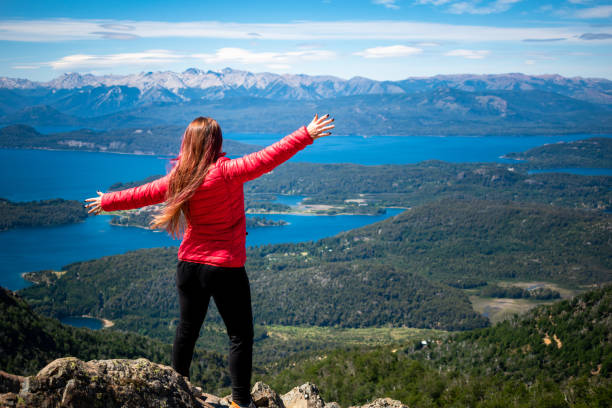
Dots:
pixel 105 322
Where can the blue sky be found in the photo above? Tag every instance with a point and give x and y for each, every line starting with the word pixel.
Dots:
pixel 379 39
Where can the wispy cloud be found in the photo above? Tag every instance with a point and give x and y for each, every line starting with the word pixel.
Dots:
pixel 392 51
pixel 474 7
pixel 151 57
pixel 595 12
pixel 274 59
pixel 26 66
pixel 111 35
pixel 57 30
pixel 469 54
pixel 392 4
pixel 117 27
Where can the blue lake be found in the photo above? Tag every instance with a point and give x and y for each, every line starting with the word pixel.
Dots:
pixel 32 249
pixel 41 174
pixel 581 172
pixel 411 149
pixel 89 322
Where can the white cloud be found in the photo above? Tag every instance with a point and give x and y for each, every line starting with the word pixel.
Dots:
pixel 55 30
pixel 595 12
pixel 26 66
pixel 473 7
pixel 392 51
pixel 530 62
pixel 150 57
pixel 387 3
pixel 272 59
pixel 469 54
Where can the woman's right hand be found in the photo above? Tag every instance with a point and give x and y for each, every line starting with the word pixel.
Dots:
pixel 320 126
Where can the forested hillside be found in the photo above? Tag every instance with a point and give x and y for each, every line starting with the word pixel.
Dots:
pixel 558 355
pixel 29 341
pixel 388 273
pixel 554 356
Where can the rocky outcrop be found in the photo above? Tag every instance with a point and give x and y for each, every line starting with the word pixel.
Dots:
pixel 264 396
pixel 69 382
pixel 72 383
pixel 304 396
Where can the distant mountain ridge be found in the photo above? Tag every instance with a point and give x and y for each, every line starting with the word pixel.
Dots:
pixel 243 101
pixel 195 83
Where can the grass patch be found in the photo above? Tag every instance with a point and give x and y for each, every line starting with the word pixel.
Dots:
pixel 499 309
pixel 372 336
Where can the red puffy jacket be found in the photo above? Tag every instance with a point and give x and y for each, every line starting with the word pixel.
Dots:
pixel 216 230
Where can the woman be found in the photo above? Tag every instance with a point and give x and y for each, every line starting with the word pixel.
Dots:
pixel 204 202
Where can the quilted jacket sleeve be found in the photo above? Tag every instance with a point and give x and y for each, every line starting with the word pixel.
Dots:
pixel 253 165
pixel 147 194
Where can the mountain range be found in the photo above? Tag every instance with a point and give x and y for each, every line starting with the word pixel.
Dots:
pixel 442 104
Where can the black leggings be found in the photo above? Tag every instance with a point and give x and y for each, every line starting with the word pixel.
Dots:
pixel 229 287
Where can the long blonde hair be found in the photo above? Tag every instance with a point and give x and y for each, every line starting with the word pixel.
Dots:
pixel 200 148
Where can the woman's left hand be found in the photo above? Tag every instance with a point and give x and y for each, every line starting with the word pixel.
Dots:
pixel 95 204
pixel 320 126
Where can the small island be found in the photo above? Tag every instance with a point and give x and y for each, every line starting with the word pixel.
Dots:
pixel 142 217
pixel 44 213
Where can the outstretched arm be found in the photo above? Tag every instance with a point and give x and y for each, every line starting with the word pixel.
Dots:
pixel 147 194
pixel 255 164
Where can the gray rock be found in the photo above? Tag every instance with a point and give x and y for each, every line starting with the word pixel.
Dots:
pixel 305 396
pixel 265 397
